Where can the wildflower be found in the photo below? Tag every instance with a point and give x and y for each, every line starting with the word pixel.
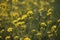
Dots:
pixel 49 21
pixel 58 20
pixel 49 10
pixel 0 36
pixel 35 3
pixel 39 33
pixel 14 14
pixel 16 20
pixel 41 9
pixel 7 0
pixel 27 38
pixel 10 29
pixel 24 16
pixel 48 32
pixel 2 30
pixel 14 0
pixel 52 1
pixel 50 35
pixel 29 12
pixel 49 13
pixel 15 7
pixel 21 38
pixel 23 26
pixel 4 14
pixel 53 28
pixel 33 30
pixel 23 2
pixel 7 37
pixel 43 24
pixel 16 37
pixel 20 23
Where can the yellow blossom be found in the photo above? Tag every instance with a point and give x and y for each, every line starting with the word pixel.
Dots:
pixel 7 37
pixel 41 9
pixel 0 18
pixel 52 1
pixel 27 38
pixel 10 29
pixel 16 37
pixel 29 12
pixel 19 23
pixel 2 30
pixel 58 20
pixel 16 20
pixel 49 13
pixel 53 28
pixel 49 21
pixel 39 33
pixel 14 14
pixel 43 24
pixel 50 35
pixel 23 2
pixel 24 16
pixel 0 36
pixel 33 30
pixel 23 26
pixel 15 7
pixel 4 14
pixel 49 10
pixel 14 0
pixel 21 38
pixel 48 32
pixel 35 3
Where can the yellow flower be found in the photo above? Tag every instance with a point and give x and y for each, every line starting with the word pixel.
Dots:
pixel 16 37
pixel 21 38
pixel 39 33
pixel 24 16
pixel 23 26
pixel 29 12
pixel 49 13
pixel 14 0
pixel 52 1
pixel 7 37
pixel 14 14
pixel 27 38
pixel 23 2
pixel 43 24
pixel 50 35
pixel 4 14
pixel 41 9
pixel 15 7
pixel 48 32
pixel 49 21
pixel 19 23
pixel 0 36
pixel 35 3
pixel 2 30
pixel 10 29
pixel 33 30
pixel 53 28
pixel 58 20
pixel 49 10
pixel 16 20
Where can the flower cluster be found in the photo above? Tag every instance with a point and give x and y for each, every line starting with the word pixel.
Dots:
pixel 28 20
